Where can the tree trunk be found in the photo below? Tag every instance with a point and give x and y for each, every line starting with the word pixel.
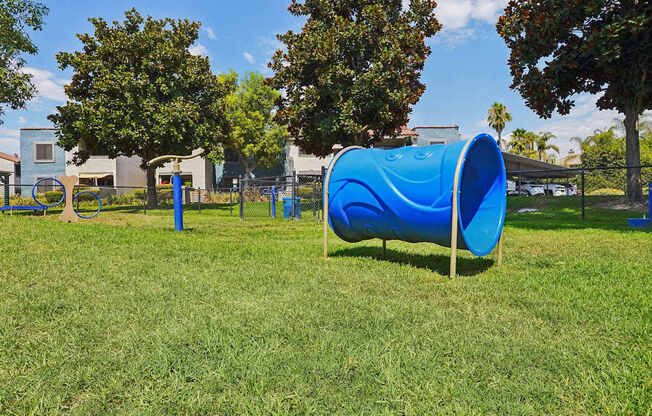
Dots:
pixel 152 201
pixel 633 156
pixel 500 141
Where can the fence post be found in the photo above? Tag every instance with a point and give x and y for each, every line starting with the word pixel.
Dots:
pixel 274 202
pixel 321 196
pixel 582 194
pixel 230 200
pixel 6 190
pixel 199 200
pixel 241 196
pixel 145 199
pixel 314 200
pixel 294 183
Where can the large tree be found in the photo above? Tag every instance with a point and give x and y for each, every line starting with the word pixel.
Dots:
pixel 498 117
pixel 353 72
pixel 560 48
pixel 138 91
pixel 17 17
pixel 256 138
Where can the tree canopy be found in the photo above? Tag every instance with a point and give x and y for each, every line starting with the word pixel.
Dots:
pixel 353 72
pixel 256 138
pixel 138 91
pixel 560 48
pixel 17 17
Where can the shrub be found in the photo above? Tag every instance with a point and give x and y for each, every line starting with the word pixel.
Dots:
pixel 606 191
pixel 306 192
pixel 52 196
pixel 87 197
pixel 139 194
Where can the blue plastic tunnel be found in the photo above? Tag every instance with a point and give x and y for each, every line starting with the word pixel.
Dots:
pixel 406 194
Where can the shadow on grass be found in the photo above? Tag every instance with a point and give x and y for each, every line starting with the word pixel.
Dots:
pixel 565 213
pixel 564 220
pixel 437 263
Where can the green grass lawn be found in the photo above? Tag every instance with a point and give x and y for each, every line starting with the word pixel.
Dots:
pixel 120 315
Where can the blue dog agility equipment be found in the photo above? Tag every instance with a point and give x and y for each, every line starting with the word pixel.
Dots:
pixel 643 222
pixel 176 184
pixel 452 195
pixel 40 206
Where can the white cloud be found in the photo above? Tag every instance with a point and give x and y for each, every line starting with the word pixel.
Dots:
pixel 582 121
pixel 457 16
pixel 198 49
pixel 249 57
pixel 9 145
pixel 48 86
pixel 210 33
pixel 22 120
pixel 9 141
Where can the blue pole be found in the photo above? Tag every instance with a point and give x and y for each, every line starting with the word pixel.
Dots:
pixel 273 202
pixel 178 203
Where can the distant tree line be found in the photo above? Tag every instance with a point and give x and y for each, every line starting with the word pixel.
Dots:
pixel 607 148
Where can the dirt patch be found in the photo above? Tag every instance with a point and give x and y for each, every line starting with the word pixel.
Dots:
pixel 622 204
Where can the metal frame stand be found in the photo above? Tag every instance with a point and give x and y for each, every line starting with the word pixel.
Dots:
pixel 327 181
pixel 176 185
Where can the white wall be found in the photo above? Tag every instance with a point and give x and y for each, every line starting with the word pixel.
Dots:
pixel 129 172
pixel 7 166
pixel 199 168
pixel 302 164
pixel 94 165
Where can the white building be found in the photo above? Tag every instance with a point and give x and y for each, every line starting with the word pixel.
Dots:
pixel 198 173
pixel 306 164
pixel 41 157
pixel 101 171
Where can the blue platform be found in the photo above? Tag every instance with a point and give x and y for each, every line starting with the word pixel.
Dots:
pixel 643 223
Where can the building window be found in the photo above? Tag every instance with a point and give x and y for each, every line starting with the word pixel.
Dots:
pixel 186 180
pixel 43 152
pixel 46 186
pixel 437 142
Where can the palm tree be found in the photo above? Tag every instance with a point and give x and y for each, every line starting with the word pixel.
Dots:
pixel 523 143
pixel 583 143
pixel 518 144
pixel 541 142
pixel 498 117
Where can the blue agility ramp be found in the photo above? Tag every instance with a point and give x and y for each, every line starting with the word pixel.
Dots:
pixel 408 193
pixel 644 223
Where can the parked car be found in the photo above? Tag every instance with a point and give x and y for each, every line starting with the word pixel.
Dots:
pixel 531 189
pixel 511 188
pixel 555 189
pixel 571 190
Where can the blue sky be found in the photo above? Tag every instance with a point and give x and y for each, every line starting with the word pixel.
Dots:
pixel 465 74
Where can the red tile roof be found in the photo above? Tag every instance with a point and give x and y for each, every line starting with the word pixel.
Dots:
pixel 453 126
pixel 10 158
pixel 406 131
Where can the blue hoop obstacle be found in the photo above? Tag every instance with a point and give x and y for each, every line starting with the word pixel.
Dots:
pixel 45 206
pixel 413 193
pixel 40 206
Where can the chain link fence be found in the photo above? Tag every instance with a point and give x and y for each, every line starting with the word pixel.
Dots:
pixel 289 197
pixel 573 191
